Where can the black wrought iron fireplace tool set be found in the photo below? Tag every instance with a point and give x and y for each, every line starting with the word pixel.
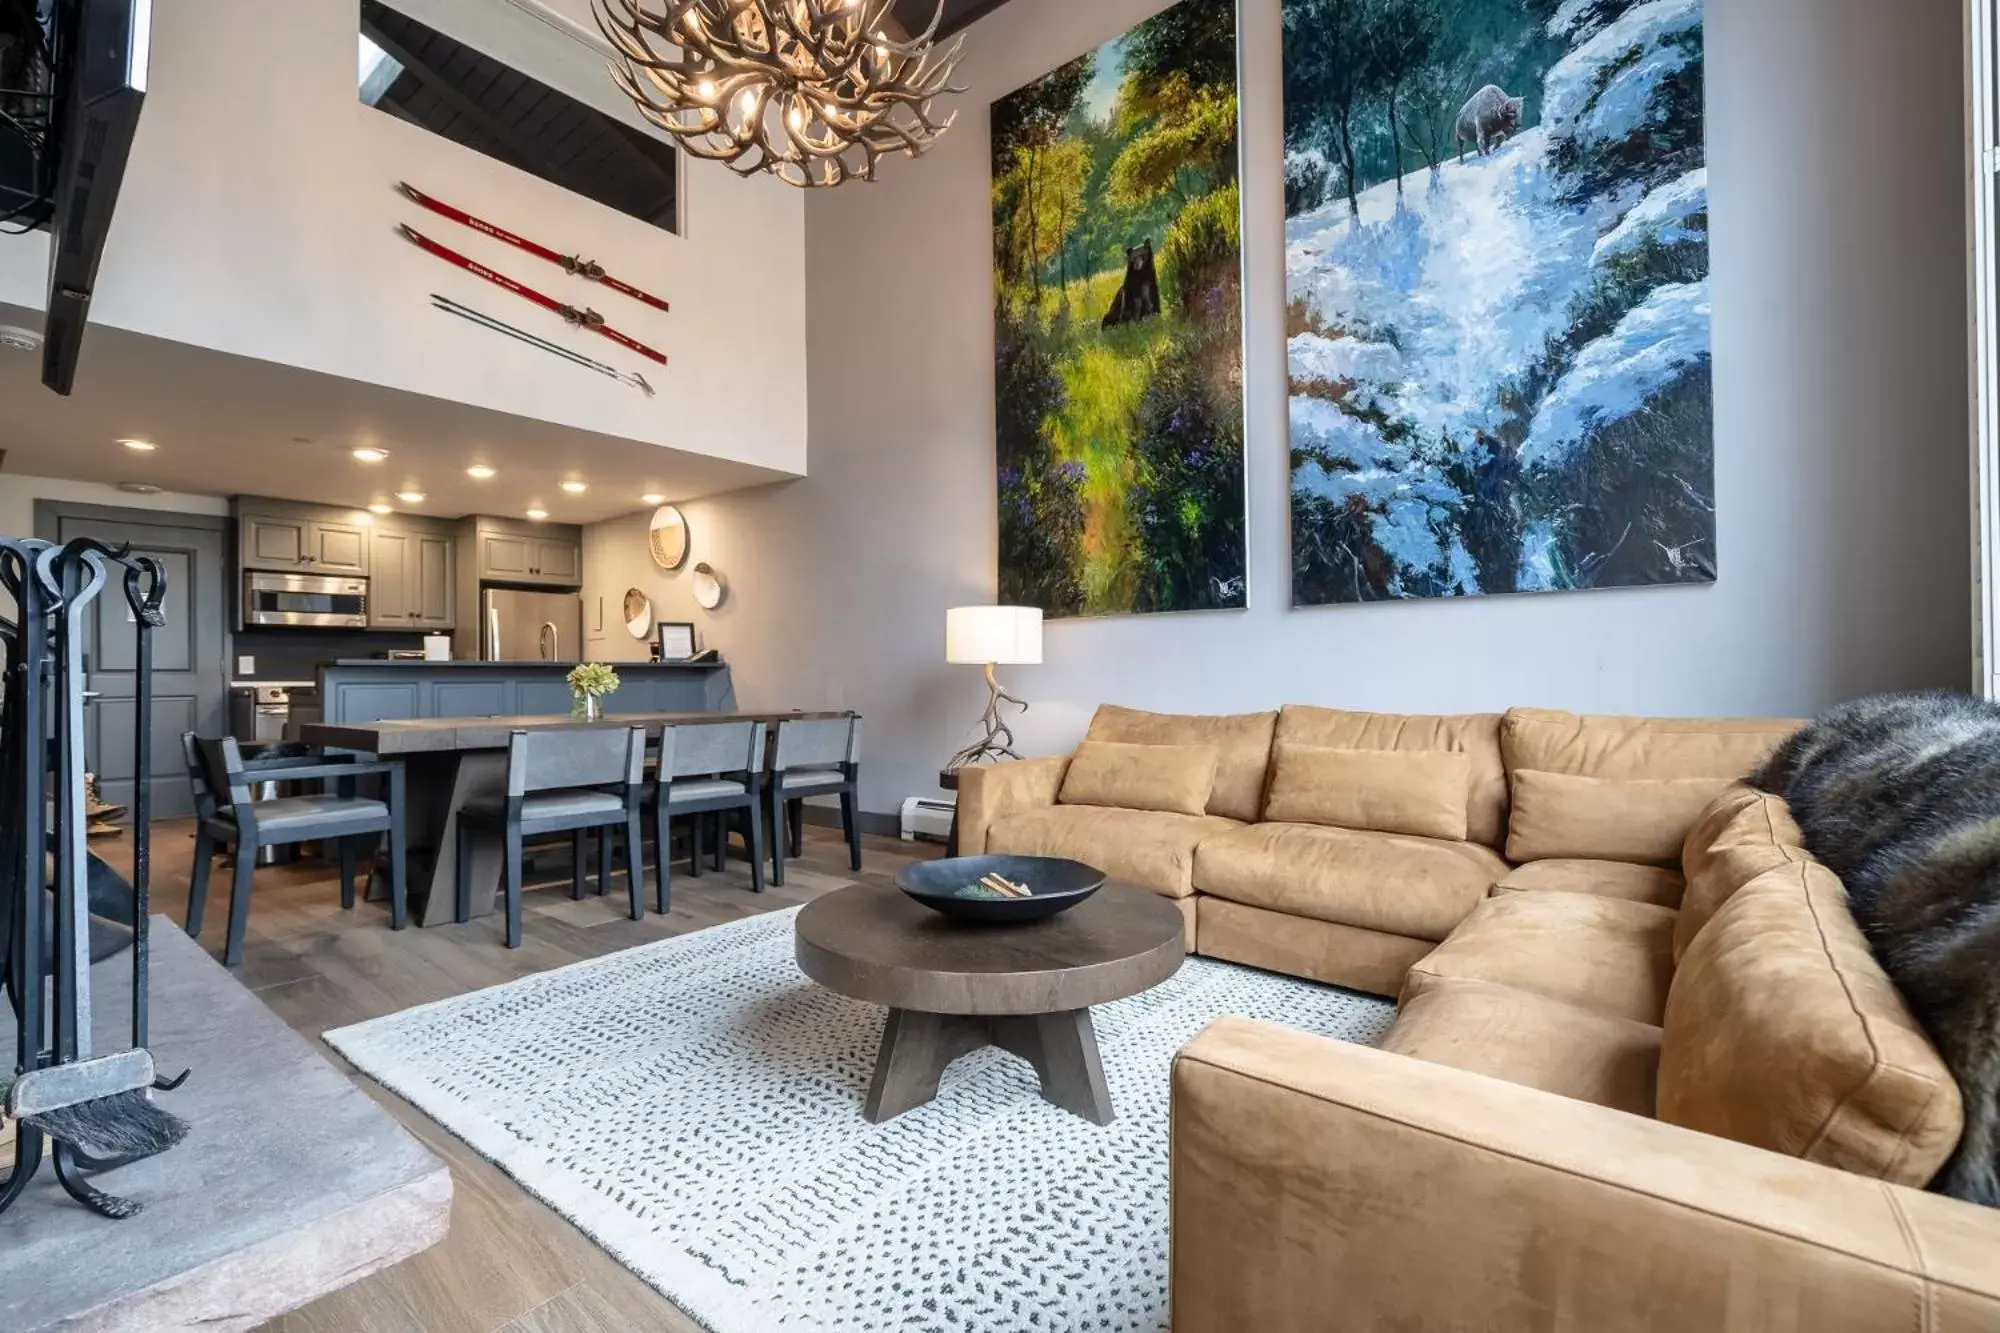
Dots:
pixel 61 908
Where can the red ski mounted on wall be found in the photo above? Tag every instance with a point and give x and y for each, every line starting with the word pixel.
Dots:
pixel 580 318
pixel 576 264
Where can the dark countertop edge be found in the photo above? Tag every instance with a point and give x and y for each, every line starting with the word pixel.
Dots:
pixel 468 663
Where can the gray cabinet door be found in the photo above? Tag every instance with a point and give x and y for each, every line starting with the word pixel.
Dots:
pixel 338 548
pixel 391 597
pixel 557 560
pixel 430 578
pixel 266 542
pixel 504 556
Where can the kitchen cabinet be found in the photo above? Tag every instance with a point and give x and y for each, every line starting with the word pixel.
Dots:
pixel 539 557
pixel 411 584
pixel 557 559
pixel 298 543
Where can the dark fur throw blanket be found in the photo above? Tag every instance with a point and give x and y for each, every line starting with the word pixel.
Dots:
pixel 1900 796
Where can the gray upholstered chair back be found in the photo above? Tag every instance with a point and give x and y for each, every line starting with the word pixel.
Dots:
pixel 816 742
pixel 576 757
pixel 697 749
pixel 222 762
pixel 206 801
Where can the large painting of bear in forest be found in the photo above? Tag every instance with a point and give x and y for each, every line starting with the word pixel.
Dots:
pixel 1118 297
pixel 1498 294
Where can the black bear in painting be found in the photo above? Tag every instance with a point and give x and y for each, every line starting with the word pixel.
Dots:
pixel 1140 296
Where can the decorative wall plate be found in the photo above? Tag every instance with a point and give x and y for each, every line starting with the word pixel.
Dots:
pixel 709 589
pixel 667 535
pixel 638 614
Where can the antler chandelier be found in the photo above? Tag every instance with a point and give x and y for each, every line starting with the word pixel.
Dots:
pixel 815 92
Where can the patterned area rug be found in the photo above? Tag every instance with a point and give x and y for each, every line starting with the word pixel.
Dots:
pixel 695 1106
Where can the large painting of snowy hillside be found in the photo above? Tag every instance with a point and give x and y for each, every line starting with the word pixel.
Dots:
pixel 1498 290
pixel 1118 325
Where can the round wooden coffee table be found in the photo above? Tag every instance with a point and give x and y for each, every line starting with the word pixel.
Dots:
pixel 952 987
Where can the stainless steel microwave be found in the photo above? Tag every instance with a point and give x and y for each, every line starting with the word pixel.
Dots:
pixel 310 600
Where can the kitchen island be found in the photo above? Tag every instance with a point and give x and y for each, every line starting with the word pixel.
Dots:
pixel 363 690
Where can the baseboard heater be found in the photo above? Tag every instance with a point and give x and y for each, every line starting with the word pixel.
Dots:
pixel 928 818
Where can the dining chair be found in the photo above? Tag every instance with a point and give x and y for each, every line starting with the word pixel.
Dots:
pixel 708 768
pixel 813 757
pixel 567 780
pixel 228 814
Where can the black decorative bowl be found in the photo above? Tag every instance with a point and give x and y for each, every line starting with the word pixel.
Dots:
pixel 951 886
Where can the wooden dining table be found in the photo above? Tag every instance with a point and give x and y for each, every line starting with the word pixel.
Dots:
pixel 450 762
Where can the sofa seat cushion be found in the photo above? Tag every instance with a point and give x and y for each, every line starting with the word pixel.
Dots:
pixel 1531 1040
pixel 1783 1031
pixel 1416 887
pixel 1610 957
pixel 1145 848
pixel 1607 879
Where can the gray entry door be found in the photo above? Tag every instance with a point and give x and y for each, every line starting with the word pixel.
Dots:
pixel 189 685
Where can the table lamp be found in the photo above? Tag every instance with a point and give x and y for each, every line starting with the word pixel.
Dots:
pixel 991 636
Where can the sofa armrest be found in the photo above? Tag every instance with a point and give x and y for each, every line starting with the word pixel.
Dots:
pixel 1318 1185
pixel 990 792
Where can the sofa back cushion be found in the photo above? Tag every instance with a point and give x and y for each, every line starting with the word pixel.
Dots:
pixel 1474 735
pixel 1642 820
pixel 1420 792
pixel 1172 779
pixel 1743 834
pixel 1783 1031
pixel 1242 744
pixel 1641 751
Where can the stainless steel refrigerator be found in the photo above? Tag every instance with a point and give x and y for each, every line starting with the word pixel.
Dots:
pixel 517 626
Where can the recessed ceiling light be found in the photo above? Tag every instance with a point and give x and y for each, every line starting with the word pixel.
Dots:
pixel 381 509
pixel 576 487
pixel 138 488
pixel 410 497
pixel 479 472
pixel 538 514
pixel 17 339
pixel 653 498
pixel 139 446
pixel 370 455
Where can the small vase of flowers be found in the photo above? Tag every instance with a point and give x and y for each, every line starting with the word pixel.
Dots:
pixel 589 683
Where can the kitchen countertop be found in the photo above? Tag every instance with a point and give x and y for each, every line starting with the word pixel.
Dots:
pixel 517 665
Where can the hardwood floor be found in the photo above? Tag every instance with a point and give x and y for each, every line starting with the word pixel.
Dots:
pixel 509 1263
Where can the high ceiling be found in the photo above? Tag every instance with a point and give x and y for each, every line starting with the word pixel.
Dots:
pixel 957 13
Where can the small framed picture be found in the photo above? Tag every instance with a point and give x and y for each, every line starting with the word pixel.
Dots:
pixel 676 640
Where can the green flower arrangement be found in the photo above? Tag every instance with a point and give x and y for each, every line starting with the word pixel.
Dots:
pixel 589 682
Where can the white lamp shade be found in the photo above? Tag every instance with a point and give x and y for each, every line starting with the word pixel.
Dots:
pixel 1004 635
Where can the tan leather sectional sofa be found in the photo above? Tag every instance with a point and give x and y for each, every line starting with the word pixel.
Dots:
pixel 1645 1073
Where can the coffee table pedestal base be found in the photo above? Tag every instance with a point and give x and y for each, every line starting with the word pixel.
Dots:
pixel 916 1047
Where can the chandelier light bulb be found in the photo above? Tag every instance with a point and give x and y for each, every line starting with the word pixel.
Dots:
pixel 708 72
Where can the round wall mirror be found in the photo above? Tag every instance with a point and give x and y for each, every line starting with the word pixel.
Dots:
pixel 667 535
pixel 709 589
pixel 638 614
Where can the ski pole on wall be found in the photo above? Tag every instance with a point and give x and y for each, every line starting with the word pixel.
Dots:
pixel 576 264
pixel 578 318
pixel 485 321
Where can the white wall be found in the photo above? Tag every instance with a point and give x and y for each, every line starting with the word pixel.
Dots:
pixel 18 496
pixel 258 218
pixel 1835 142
